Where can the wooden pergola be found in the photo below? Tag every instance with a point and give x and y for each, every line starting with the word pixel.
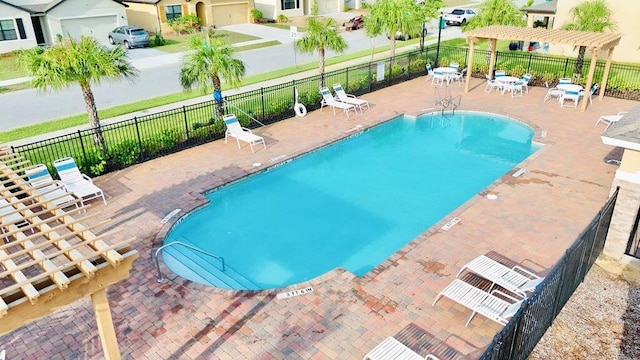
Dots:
pixel 594 42
pixel 49 259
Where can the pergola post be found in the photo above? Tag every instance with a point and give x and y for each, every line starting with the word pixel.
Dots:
pixel 605 76
pixel 471 42
pixel 592 70
pixel 492 60
pixel 105 325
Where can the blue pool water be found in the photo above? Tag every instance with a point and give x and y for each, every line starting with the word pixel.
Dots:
pixel 351 204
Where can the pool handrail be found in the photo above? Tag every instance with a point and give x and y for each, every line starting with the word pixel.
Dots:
pixel 155 256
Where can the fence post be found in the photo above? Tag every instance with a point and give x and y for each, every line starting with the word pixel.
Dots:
pixel 262 99
pixel 529 63
pixel 369 79
pixel 186 122
pixel 84 153
pixel 347 80
pixel 293 87
pixel 140 153
pixel 566 65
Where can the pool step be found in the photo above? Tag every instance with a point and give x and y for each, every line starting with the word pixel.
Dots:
pixel 204 270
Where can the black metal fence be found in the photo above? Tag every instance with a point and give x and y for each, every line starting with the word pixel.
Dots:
pixel 518 338
pixel 633 244
pixel 151 136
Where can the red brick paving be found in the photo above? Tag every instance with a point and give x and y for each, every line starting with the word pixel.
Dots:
pixel 535 218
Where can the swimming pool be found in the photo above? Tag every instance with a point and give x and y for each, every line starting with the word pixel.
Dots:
pixel 351 204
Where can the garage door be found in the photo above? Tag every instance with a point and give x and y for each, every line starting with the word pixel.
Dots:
pixel 98 27
pixel 230 14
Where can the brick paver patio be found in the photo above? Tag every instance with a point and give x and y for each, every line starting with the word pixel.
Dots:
pixel 535 217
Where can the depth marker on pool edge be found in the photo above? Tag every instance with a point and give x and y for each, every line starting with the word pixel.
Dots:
pixel 288 294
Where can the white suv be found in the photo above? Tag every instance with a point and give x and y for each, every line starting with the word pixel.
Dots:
pixel 459 16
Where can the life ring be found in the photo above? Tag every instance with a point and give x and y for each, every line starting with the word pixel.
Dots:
pixel 300 110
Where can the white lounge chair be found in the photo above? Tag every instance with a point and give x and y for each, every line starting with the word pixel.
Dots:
pixel 392 349
pixel 329 100
pixel 516 280
pixel 234 129
pixel 609 119
pixel 76 182
pixel 552 92
pixel 49 190
pixel 481 302
pixel 9 216
pixel 349 98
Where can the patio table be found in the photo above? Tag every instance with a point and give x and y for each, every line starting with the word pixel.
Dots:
pixel 570 87
pixel 447 71
pixel 506 80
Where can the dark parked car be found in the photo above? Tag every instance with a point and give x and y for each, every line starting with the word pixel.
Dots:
pixel 129 36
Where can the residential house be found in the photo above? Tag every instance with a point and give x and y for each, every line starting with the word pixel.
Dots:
pixel 154 15
pixel 554 14
pixel 27 23
pixel 271 9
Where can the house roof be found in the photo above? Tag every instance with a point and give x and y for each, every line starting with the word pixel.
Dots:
pixel 555 36
pixel 40 8
pixel 153 2
pixel 548 7
pixel 625 132
pixel 14 6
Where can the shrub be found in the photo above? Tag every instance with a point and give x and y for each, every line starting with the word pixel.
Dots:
pixel 186 24
pixel 125 153
pixel 158 40
pixel 282 18
pixel 256 15
pixel 93 163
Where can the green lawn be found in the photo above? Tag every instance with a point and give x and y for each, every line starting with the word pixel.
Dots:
pixel 9 68
pixel 179 43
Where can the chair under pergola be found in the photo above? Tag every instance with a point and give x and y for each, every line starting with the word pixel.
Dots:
pixel 594 42
pixel 51 259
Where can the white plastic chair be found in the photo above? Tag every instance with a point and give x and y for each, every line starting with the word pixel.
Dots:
pixel 609 119
pixel 459 76
pixel 329 100
pixel 526 78
pixel 516 280
pixel 573 96
pixel 429 72
pixel 552 92
pixel 349 98
pixel 438 78
pixel 234 129
pixel 76 182
pixel 10 216
pixel 454 65
pixel 491 85
pixel 481 302
pixel 500 73
pixel 564 81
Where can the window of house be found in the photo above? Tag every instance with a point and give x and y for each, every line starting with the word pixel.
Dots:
pixel 173 12
pixel 290 4
pixel 8 30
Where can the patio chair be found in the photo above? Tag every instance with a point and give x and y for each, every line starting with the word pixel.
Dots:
pixel 514 88
pixel 349 98
pixel 429 72
pixel 459 76
pixel 391 349
pixel 438 78
pixel 516 279
pixel 500 73
pixel 454 65
pixel 234 129
pixel 42 183
pixel 526 77
pixel 573 96
pixel 76 182
pixel 9 216
pixel 552 92
pixel 609 119
pixel 592 91
pixel 491 85
pixel 564 81
pixel 329 100
pixel 497 308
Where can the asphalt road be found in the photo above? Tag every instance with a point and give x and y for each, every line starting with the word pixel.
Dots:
pixel 158 76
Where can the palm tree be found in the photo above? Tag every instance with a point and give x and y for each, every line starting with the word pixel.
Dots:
pixel 84 62
pixel 322 35
pixel 392 16
pixel 208 62
pixel 592 16
pixel 496 12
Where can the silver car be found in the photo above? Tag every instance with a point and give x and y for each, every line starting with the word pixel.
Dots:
pixel 130 36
